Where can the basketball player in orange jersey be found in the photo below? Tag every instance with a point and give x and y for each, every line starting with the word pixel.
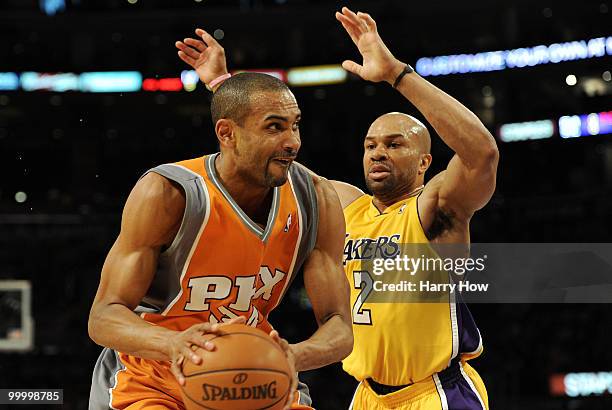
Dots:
pixel 218 239
pixel 406 355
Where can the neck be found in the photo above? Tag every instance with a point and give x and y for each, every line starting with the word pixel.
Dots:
pixel 247 195
pixel 382 202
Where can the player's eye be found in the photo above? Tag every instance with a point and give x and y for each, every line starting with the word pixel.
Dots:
pixel 274 126
pixel 394 145
pixel 370 146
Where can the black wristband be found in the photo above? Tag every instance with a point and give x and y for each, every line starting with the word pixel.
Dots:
pixel 407 70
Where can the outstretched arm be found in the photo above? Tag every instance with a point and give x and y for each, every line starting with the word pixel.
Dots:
pixel 469 180
pixel 327 288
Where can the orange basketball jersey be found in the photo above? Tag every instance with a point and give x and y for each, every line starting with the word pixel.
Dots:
pixel 221 264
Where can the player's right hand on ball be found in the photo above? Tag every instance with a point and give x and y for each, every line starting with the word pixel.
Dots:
pixel 181 345
pixel 284 344
pixel 205 55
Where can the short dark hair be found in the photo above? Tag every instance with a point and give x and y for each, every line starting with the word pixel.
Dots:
pixel 232 100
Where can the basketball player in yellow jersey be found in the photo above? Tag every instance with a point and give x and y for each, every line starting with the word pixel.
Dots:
pixel 218 239
pixel 412 355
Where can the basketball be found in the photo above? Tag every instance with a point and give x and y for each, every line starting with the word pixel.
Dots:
pixel 247 370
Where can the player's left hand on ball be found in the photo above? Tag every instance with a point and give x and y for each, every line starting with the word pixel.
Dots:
pixel 378 62
pixel 182 345
pixel 284 344
pixel 205 55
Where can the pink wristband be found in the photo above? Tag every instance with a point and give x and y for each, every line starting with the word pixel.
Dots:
pixel 217 81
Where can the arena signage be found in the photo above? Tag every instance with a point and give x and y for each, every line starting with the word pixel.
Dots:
pixel 573 126
pixel 516 58
pixel 581 384
pixel 9 81
pixel 569 126
pixel 530 130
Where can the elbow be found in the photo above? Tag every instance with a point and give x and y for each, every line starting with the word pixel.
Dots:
pixel 92 327
pixel 492 158
pixel 482 154
pixel 489 157
pixel 492 152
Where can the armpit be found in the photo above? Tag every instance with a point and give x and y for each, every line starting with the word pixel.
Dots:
pixel 443 221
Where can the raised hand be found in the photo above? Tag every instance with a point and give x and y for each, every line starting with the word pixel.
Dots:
pixel 205 55
pixel 378 62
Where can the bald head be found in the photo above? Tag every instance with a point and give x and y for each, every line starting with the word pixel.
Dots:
pixel 396 156
pixel 397 123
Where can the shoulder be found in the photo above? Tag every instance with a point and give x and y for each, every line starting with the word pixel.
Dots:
pixel 346 192
pixel 154 209
pixel 323 188
pixel 156 189
pixel 331 226
pixel 330 209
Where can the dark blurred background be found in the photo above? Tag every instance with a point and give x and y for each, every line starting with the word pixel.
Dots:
pixel 69 159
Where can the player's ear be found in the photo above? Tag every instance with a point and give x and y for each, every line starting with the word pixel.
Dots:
pixel 225 130
pixel 424 163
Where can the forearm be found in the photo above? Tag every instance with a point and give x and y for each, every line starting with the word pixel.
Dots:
pixel 117 327
pixel 458 127
pixel 332 342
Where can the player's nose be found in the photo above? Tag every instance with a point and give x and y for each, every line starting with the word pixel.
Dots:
pixel 379 153
pixel 292 142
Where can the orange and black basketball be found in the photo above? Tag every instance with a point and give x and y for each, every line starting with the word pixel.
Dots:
pixel 247 370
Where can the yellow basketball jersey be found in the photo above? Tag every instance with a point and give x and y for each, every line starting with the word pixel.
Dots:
pixel 398 343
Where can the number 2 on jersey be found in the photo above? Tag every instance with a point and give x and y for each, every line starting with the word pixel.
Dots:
pixel 362 280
